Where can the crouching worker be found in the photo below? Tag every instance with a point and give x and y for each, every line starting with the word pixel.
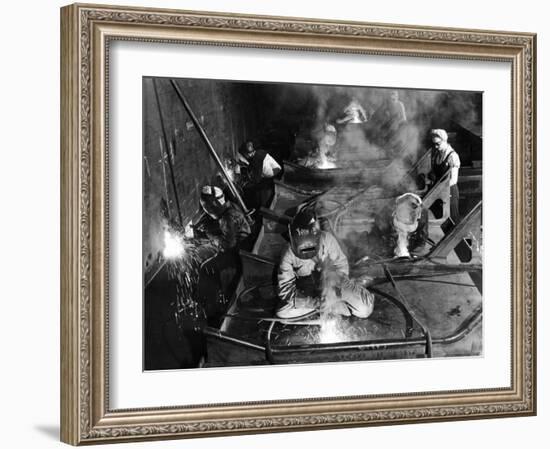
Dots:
pixel 313 274
pixel 224 223
pixel 401 229
pixel 226 228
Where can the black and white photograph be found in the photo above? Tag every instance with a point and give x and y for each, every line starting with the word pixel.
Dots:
pixel 299 223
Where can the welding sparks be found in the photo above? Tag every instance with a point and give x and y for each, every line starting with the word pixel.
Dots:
pixel 174 245
pixel 183 255
pixel 330 332
pixel 324 162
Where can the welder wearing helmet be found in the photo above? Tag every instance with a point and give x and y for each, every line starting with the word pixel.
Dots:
pixel 409 223
pixel 225 224
pixel 399 229
pixel 227 229
pixel 311 254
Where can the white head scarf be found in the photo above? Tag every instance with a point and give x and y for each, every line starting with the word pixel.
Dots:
pixel 441 133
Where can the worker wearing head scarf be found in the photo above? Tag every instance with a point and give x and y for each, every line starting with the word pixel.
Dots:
pixel 445 159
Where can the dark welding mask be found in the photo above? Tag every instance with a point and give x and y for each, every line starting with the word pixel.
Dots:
pixel 213 201
pixel 305 234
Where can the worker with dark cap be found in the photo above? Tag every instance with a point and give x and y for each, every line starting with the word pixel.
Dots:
pixel 258 170
pixel 313 268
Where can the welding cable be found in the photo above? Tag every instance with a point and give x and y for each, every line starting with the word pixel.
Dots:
pixel 467 267
pixel 268 352
pixel 424 329
pixel 380 261
pixel 460 284
pixel 414 277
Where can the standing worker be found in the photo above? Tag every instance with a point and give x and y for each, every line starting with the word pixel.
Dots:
pixel 387 124
pixel 444 158
pixel 258 169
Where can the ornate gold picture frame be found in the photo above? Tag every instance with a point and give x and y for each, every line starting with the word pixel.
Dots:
pixel 87 31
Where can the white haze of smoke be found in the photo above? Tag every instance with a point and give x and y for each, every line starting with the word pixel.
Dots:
pixel 424 110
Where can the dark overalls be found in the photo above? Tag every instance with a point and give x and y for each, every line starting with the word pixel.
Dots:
pixel 439 170
pixel 259 191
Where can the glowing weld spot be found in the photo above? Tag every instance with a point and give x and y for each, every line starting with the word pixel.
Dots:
pixel 330 333
pixel 174 245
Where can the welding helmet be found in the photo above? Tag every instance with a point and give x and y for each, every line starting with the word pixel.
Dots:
pixel 305 234
pixel 213 201
pixel 408 209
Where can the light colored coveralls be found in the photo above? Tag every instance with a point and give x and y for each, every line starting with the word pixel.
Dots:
pixel 329 255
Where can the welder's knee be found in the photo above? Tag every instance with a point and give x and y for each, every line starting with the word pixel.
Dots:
pixel 361 305
pixel 363 311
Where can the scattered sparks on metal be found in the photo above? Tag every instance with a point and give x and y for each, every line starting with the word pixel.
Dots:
pixel 184 266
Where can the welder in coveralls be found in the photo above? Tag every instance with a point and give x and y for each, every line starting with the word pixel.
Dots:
pixel 401 229
pixel 227 228
pixel 258 169
pixel 224 223
pixel 313 274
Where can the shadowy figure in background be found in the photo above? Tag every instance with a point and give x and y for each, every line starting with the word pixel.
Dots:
pixel 323 156
pixel 353 113
pixel 387 124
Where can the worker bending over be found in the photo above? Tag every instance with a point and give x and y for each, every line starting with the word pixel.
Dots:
pixel 224 223
pixel 257 172
pixel 227 228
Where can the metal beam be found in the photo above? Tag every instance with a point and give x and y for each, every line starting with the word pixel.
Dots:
pixel 210 147
pixel 470 222
pixel 170 165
